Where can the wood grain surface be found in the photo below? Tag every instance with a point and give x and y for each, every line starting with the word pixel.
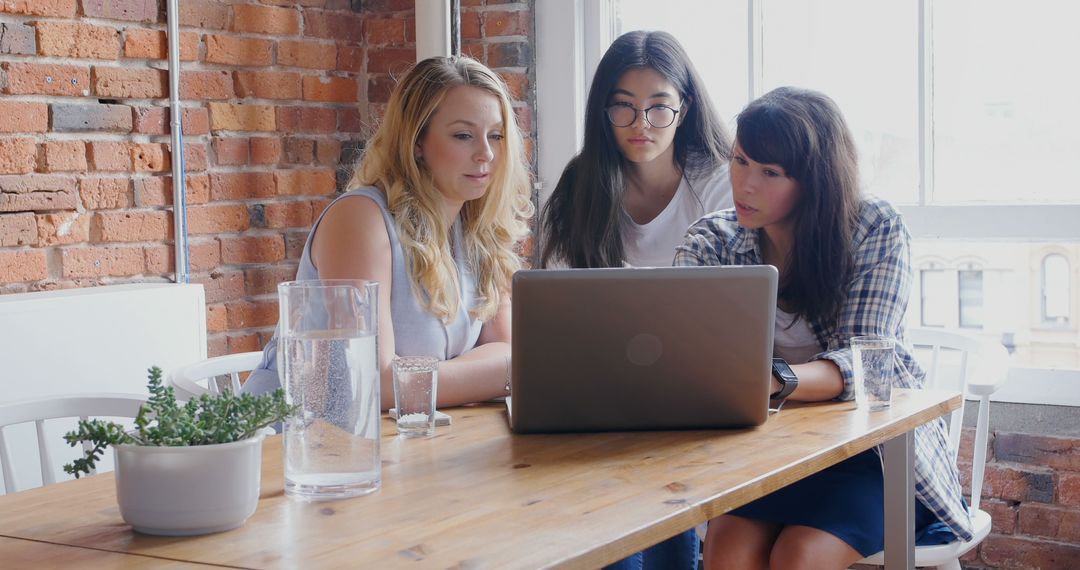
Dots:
pixel 477 496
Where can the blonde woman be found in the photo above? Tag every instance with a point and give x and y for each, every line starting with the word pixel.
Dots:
pixel 437 204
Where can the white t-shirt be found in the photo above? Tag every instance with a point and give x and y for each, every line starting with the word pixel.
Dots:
pixel 653 244
pixel 795 344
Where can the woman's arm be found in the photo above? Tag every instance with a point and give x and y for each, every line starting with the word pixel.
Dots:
pixel 482 373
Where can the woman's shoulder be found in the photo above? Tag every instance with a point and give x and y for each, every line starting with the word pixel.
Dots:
pixel 878 219
pixel 723 224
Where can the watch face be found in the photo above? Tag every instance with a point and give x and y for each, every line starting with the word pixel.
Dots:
pixel 782 369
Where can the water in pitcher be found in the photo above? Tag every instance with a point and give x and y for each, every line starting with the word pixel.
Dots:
pixel 332 445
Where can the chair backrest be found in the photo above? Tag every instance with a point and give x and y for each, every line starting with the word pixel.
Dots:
pixel 186 380
pixel 37 410
pixel 971 365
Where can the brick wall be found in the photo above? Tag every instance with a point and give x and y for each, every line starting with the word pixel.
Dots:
pixel 277 98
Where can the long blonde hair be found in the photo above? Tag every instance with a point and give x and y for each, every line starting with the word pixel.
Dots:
pixel 492 225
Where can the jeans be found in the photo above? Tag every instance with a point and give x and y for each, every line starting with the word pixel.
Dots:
pixel 676 553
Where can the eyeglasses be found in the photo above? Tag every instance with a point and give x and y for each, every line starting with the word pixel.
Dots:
pixel 624 115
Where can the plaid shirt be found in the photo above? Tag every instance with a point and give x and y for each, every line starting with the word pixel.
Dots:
pixel 876 303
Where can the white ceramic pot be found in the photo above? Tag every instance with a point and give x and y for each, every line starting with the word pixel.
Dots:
pixel 197 489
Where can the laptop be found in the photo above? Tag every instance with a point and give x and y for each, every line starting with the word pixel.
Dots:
pixel 641 348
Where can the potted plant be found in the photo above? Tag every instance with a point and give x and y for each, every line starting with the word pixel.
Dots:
pixel 185 469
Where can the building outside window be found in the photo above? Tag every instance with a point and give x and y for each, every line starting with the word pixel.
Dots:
pixel 970 297
pixel 1056 290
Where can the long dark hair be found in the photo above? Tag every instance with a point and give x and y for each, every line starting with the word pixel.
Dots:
pixel 804 132
pixel 581 223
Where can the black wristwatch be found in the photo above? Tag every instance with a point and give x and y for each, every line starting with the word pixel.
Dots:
pixel 786 376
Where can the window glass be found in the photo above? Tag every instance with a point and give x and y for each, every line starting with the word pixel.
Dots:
pixel 971 298
pixel 1003 129
pixel 935 299
pixel 1056 286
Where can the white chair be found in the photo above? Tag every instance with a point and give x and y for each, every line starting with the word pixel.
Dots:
pixel 38 410
pixel 186 380
pixel 976 368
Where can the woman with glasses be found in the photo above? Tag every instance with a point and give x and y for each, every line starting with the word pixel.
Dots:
pixel 844 263
pixel 654 160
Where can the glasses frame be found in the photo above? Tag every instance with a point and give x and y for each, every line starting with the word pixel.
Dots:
pixel 645 112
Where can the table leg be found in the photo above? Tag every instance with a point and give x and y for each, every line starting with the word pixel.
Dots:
pixel 900 502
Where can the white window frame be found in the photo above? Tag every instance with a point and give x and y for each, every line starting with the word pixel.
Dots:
pixel 571 36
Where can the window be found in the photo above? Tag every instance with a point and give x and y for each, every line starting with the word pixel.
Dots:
pixel 934 284
pixel 1055 290
pixel 970 286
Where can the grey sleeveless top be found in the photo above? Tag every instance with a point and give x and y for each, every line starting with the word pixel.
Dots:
pixel 416 331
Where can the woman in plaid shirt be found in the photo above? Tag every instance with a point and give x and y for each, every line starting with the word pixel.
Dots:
pixel 844 263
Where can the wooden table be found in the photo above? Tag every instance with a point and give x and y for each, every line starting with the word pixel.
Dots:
pixel 477 496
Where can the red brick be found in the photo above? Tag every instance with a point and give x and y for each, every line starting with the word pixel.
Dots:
pixel 131 226
pixel 305 182
pixel 204 254
pixel 299 151
pixel 205 14
pixel 334 25
pixel 243 343
pixel 1049 451
pixel 36 184
pixel 1003 515
pixel 153 191
pixel 149 157
pixel 217 345
pixel 524 119
pixel 101 261
pixel 348 121
pixel 470 25
pixel 328 152
pixel 230 117
pixel 73 39
pixel 61 156
pixel 379 88
pixel 389 5
pixel 218 218
pixel 1069 489
pixel 202 85
pixel 17 155
pixel 241 185
pixel 252 249
pixel 266 20
pixel 288 215
pixel 306 120
pixel 19 229
pixel 391 60
pixel 46 79
pixel 1016 552
pixel 267 84
pixel 109 156
pixel 133 83
pixel 159 259
pixel 308 3
pixel 130 10
pixel 105 193
pixel 294 244
pixel 1050 521
pixel 156 120
pixel 230 151
pixel 60 8
pixel 331 89
pixel 506 23
pixel 1014 483
pixel 410 30
pixel 265 150
pixel 16 117
pixel 384 31
pixel 317 207
pixel 264 280
pixel 350 58
pixel 475 50
pixel 216 320
pixel 233 50
pixel 194 157
pixel 222 286
pixel 518 85
pixel 153 44
pixel 246 314
pixel 19 266
pixel 309 54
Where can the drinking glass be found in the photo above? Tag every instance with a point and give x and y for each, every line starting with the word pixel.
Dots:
pixel 329 365
pixel 873 361
pixel 416 383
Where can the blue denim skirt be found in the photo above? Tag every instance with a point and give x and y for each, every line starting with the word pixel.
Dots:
pixel 847 501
